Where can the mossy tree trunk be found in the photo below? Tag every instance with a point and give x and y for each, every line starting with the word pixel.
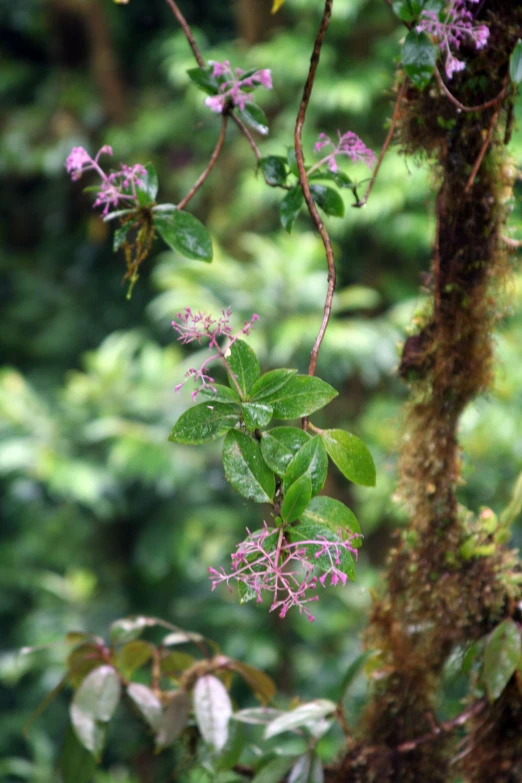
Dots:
pixel 436 598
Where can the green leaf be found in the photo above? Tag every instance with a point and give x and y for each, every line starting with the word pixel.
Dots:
pixel 334 514
pixel 204 422
pixel 213 710
pixel 269 384
pixel 147 703
pixel 311 460
pixel 296 499
pixel 223 394
pixel 351 456
pixel 184 233
pixel 501 657
pixel 419 56
pixel 278 447
pixel 302 395
pixel 244 365
pixel 175 662
pixel 148 189
pixel 132 656
pixel 304 716
pixel 409 10
pixel 254 116
pixel 202 78
pixel 274 169
pixel 245 468
pixel 174 719
pixel 275 770
pixel 76 764
pixel 260 683
pixel 93 705
pixel 341 179
pixel 256 414
pixel 120 234
pixel 353 670
pixel 307 769
pixel 307 532
pixel 292 161
pixel 290 207
pixel 328 199
pixel 515 63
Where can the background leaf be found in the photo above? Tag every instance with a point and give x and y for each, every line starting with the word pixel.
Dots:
pixel 501 657
pixel 213 710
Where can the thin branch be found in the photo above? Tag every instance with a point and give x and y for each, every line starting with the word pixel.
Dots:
pixel 303 179
pixel 482 152
pixel 443 728
pixel 395 116
pixel 188 33
pixel 246 133
pixel 461 106
pixel 215 155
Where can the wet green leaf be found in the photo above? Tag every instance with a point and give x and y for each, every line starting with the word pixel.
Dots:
pixel 221 393
pixel 311 460
pixel 244 365
pixel 254 116
pixel 328 199
pixel 185 233
pixel 256 414
pixel 245 468
pixel 351 456
pixel 269 384
pixel 204 422
pixel 290 207
pixel 501 657
pixel 202 78
pixel 147 188
pixel 279 446
pixel 302 395
pixel 419 56
pixel 334 514
pixel 296 499
pixel 274 169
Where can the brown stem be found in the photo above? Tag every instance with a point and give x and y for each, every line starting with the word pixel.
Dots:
pixel 303 179
pixel 460 105
pixel 188 33
pixel 482 152
pixel 395 116
pixel 443 728
pixel 215 155
pixel 246 133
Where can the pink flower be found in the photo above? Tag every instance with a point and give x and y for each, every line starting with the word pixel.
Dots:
pixel 196 327
pixel 456 26
pixel 231 87
pixel 349 144
pixel 79 161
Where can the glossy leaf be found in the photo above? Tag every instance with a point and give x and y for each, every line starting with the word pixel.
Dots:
pixel 244 365
pixel 296 498
pixel 515 63
pixel 245 468
pixel 328 199
pixel 203 78
pixel 224 394
pixel 302 395
pixel 147 187
pixel 311 460
pixel 213 710
pixel 290 207
pixel 133 655
pixel 260 683
pixel 275 770
pixel 292 161
pixel 307 769
pixel 304 716
pixel 93 705
pixel 256 414
pixel 310 532
pixel 419 56
pixel 147 703
pixel 174 719
pixel 255 117
pixel 501 657
pixel 185 233
pixel 269 384
pixel 274 169
pixel 351 456
pixel 204 422
pixel 279 445
pixel 334 514
pixel 76 764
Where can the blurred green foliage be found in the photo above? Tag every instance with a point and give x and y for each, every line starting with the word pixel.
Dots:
pixel 101 516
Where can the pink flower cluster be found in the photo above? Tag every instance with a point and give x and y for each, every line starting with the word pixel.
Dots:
pixel 457 26
pixel 199 326
pixel 117 189
pixel 349 144
pixel 286 570
pixel 232 88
